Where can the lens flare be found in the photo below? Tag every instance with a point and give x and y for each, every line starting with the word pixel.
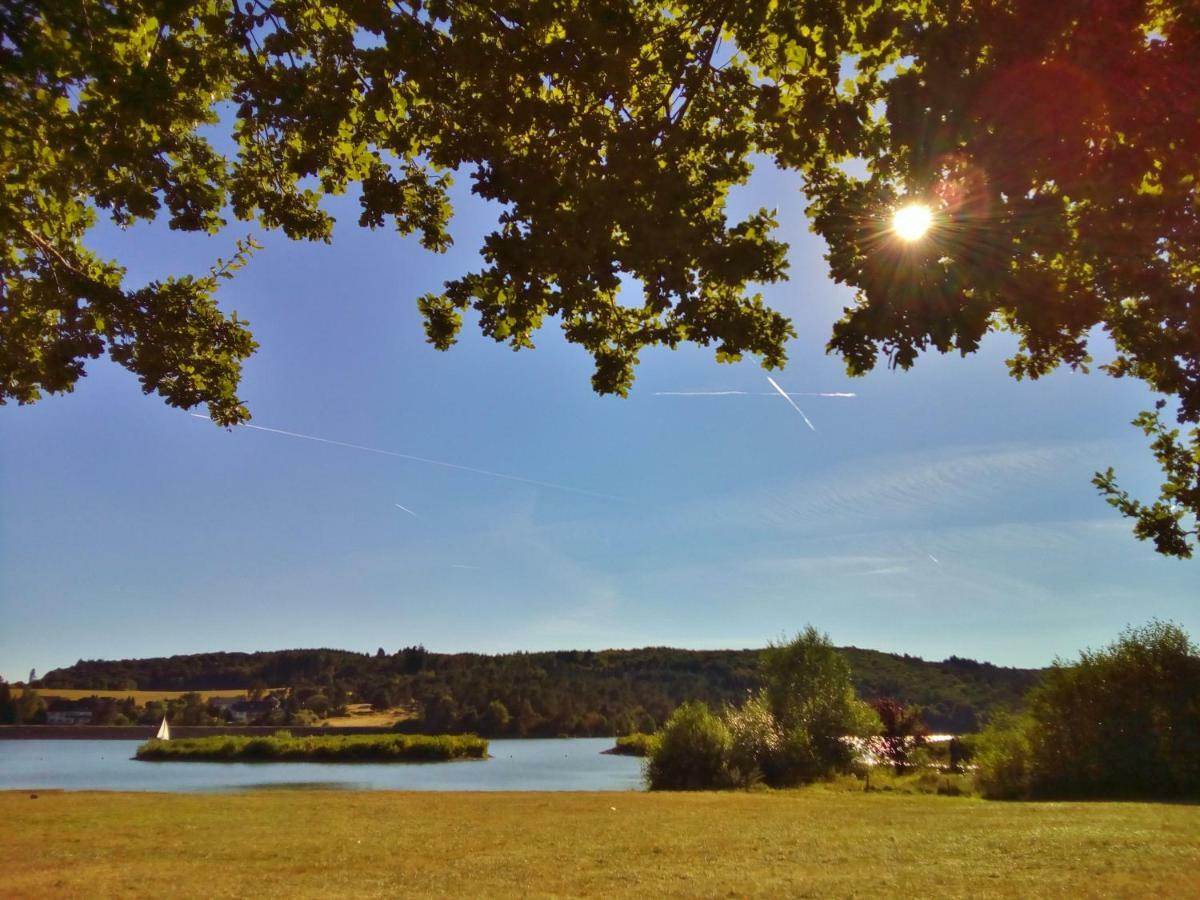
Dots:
pixel 911 222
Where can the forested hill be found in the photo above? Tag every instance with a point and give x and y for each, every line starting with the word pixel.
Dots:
pixel 563 692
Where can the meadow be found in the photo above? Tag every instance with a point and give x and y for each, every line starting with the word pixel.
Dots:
pixel 818 841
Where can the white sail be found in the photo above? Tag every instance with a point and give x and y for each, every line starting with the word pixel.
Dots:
pixel 164 731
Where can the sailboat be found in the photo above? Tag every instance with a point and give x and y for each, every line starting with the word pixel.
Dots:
pixel 164 731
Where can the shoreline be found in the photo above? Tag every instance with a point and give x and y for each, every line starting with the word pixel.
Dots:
pixel 145 732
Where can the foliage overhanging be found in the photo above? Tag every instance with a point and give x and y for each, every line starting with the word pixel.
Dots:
pixel 1057 145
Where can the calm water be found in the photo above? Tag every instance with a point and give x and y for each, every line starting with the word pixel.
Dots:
pixel 533 765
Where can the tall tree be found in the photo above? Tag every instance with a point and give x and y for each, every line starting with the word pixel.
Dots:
pixel 1053 147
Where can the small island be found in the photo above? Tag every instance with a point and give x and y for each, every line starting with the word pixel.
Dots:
pixel 284 747
pixel 636 744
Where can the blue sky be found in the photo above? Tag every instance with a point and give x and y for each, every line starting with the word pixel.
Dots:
pixel 946 510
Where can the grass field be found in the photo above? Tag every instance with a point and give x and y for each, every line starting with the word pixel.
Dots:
pixel 362 715
pixel 811 843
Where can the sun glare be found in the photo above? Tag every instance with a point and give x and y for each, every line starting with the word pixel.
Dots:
pixel 912 221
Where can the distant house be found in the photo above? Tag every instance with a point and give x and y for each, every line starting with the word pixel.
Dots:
pixel 69 712
pixel 220 704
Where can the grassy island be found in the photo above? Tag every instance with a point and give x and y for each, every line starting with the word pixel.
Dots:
pixel 283 747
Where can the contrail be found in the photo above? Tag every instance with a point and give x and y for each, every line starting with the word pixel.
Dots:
pixel 407 510
pixel 793 402
pixel 422 459
pixel 753 393
pixel 458 566
pixel 934 558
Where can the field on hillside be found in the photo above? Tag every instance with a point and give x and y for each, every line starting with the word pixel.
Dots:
pixel 362 715
pixel 815 842
pixel 359 715
pixel 141 698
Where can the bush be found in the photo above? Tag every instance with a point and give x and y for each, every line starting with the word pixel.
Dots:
pixel 756 737
pixel 636 744
pixel 691 752
pixel 1004 758
pixel 791 732
pixel 1121 722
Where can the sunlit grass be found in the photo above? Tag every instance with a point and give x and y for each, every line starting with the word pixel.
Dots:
pixel 818 842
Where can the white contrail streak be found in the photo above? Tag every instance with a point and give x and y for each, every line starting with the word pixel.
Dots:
pixel 407 510
pixel 753 393
pixel 700 393
pixel 934 558
pixel 422 459
pixel 793 402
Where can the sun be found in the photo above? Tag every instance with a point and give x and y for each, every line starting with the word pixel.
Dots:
pixel 912 222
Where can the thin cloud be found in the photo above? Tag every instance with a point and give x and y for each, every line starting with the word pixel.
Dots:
pixel 422 459
pixel 407 510
pixel 785 396
pixel 459 566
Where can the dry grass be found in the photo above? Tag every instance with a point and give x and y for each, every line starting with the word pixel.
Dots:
pixel 363 715
pixel 815 843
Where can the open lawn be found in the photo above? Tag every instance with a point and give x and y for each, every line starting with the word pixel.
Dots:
pixel 816 842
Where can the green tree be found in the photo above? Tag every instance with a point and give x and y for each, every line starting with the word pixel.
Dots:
pixel 789 732
pixel 1055 145
pixel 1121 721
pixel 810 698
pixel 496 718
pixel 8 705
pixel 441 714
pixel 691 752
pixel 901 730
pixel 30 708
pixel 319 704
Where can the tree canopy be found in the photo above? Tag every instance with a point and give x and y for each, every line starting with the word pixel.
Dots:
pixel 1055 145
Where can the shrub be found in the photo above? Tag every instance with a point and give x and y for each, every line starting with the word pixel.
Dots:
pixel 1121 722
pixel 636 744
pixel 1004 758
pixel 791 732
pixel 691 752
pixel 755 735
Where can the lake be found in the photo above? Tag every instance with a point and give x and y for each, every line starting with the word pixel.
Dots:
pixel 569 764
